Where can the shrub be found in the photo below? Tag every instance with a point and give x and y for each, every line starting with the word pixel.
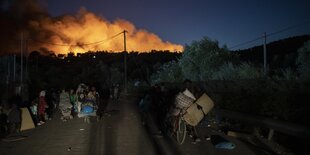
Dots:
pixel 168 72
pixel 303 62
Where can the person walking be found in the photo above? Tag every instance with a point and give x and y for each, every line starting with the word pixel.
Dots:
pixel 41 107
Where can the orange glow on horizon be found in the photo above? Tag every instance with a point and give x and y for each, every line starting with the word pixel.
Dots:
pixel 89 32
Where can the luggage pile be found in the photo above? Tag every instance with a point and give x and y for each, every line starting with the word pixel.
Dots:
pixel 192 109
pixel 86 105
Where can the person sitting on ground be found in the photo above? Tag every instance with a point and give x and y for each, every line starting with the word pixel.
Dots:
pixel 73 100
pixel 93 95
pixel 3 121
pixel 34 111
pixel 65 105
pixel 14 119
pixel 80 94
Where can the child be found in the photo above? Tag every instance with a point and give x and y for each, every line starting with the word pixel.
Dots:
pixel 34 111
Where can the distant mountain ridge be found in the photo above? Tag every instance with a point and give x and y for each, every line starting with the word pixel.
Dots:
pixel 280 54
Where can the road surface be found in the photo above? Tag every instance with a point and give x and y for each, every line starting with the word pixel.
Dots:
pixel 120 132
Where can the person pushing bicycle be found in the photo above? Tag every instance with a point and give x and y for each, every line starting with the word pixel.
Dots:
pixel 188 84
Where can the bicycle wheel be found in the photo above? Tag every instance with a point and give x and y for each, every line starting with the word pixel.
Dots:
pixel 181 132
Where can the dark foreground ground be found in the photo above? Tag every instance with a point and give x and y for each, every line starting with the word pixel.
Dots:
pixel 120 132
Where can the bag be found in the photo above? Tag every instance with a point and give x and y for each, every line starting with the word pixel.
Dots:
pixel 189 94
pixel 87 109
pixel 221 143
pixel 183 101
pixel 193 115
pixel 205 102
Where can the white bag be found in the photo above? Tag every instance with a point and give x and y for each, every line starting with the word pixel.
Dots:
pixel 183 101
pixel 189 94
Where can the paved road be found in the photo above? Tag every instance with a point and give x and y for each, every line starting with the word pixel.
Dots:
pixel 120 132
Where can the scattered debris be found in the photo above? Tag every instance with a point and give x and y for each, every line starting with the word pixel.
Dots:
pixel 225 145
pixel 238 134
pixel 221 143
pixel 208 138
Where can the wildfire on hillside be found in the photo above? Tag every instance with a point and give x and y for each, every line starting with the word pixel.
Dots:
pixel 78 33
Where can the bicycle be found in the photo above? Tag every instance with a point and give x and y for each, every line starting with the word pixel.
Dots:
pixel 177 125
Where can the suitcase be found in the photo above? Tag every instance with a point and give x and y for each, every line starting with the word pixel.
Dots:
pixel 193 115
pixel 205 102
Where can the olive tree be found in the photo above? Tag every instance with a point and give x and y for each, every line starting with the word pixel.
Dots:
pixel 168 72
pixel 200 59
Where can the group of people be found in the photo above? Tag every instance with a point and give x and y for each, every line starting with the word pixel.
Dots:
pixel 68 102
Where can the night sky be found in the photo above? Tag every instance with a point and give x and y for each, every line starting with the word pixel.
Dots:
pixel 231 22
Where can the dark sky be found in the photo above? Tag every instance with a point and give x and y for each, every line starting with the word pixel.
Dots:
pixel 181 21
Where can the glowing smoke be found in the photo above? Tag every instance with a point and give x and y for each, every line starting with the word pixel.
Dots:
pixel 82 32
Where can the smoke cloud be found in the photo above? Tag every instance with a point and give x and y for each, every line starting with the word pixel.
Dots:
pixel 82 32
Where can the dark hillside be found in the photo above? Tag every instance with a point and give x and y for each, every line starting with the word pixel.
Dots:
pixel 280 54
